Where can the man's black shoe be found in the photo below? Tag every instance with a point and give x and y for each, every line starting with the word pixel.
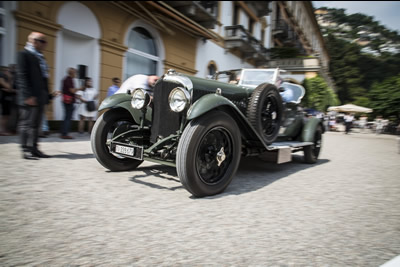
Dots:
pixel 29 155
pixel 39 154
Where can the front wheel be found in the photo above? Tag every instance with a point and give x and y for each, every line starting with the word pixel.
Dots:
pixel 311 152
pixel 108 125
pixel 208 154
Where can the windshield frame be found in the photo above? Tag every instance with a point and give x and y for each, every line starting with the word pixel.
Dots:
pixel 245 72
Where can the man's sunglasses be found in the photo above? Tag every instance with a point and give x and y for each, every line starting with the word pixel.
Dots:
pixel 41 41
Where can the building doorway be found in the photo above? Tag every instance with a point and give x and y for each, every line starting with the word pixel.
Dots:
pixel 77 44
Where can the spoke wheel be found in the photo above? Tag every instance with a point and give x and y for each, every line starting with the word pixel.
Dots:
pixel 311 153
pixel 108 125
pixel 208 154
pixel 214 155
pixel 265 111
pixel 269 116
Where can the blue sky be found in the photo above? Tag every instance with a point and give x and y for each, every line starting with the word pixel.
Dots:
pixel 386 12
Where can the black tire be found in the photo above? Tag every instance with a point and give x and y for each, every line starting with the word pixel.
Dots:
pixel 311 152
pixel 199 152
pixel 265 111
pixel 103 131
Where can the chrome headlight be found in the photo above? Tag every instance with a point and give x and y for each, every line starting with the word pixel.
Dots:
pixel 140 98
pixel 179 99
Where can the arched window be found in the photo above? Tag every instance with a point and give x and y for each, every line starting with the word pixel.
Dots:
pixel 142 55
pixel 211 68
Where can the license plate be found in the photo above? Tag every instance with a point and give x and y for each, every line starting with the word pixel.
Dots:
pixel 130 151
pixel 124 150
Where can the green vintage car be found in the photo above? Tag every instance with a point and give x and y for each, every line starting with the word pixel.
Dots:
pixel 204 126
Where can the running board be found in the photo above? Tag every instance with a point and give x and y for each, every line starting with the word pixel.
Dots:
pixel 281 152
pixel 291 144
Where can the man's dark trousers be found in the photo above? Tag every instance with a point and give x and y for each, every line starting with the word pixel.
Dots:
pixel 68 109
pixel 30 121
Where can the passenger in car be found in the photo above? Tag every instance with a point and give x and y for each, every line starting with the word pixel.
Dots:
pixel 145 82
pixel 285 92
pixel 234 78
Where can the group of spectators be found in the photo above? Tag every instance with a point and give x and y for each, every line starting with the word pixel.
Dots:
pixel 346 122
pixel 72 94
pixel 25 94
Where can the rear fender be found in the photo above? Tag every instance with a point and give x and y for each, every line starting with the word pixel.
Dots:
pixel 124 101
pixel 309 129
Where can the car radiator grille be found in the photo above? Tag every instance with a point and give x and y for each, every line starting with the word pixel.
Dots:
pixel 165 121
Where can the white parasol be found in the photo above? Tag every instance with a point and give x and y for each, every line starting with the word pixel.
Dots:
pixel 350 108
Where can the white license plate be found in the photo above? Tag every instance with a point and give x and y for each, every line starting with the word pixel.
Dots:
pixel 124 150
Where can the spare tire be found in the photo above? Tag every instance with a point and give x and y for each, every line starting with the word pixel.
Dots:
pixel 265 111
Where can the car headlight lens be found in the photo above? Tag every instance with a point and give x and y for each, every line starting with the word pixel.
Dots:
pixel 140 98
pixel 179 99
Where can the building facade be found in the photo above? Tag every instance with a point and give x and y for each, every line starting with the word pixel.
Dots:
pixel 123 38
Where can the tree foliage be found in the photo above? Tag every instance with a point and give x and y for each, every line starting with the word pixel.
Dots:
pixel 363 79
pixel 318 95
pixel 358 19
pixel 385 97
pixel 354 73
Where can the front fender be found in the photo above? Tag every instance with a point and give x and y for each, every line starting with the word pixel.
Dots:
pixel 124 101
pixel 309 129
pixel 207 103
pixel 213 101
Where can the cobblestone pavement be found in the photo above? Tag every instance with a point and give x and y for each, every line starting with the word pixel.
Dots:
pixel 69 211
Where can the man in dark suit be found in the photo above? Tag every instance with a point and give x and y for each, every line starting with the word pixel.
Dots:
pixel 33 93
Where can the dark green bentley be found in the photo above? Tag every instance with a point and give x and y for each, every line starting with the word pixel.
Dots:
pixel 204 126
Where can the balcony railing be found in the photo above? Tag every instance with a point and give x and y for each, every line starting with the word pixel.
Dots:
pixel 280 27
pixel 260 7
pixel 282 31
pixel 295 64
pixel 203 12
pixel 237 37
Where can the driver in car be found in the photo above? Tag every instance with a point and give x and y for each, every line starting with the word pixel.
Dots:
pixel 286 93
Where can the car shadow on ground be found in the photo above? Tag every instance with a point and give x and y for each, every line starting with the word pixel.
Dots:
pixel 73 156
pixel 251 175
pixel 158 171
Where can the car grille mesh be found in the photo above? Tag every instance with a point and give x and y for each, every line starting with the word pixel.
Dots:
pixel 165 121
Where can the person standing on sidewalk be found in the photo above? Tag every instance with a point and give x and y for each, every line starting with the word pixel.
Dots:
pixel 6 95
pixel 348 120
pixel 113 88
pixel 86 95
pixel 33 93
pixel 68 91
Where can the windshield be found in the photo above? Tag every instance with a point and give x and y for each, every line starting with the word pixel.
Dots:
pixel 231 76
pixel 256 77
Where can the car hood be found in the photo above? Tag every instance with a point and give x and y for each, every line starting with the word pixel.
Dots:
pixel 196 86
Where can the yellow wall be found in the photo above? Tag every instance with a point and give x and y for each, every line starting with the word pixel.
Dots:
pixel 180 49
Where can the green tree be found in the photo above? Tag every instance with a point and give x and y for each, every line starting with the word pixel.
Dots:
pixel 354 72
pixel 362 101
pixel 318 95
pixel 344 68
pixel 385 97
pixel 362 79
